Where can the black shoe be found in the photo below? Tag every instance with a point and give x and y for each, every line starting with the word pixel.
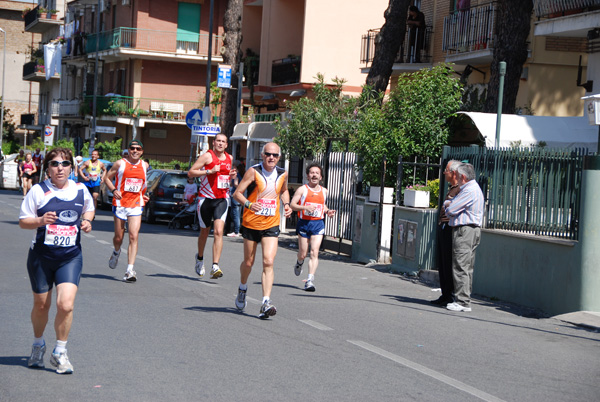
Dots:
pixel 441 301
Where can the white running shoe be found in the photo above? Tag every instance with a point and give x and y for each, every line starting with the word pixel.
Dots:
pixel 216 272
pixel 458 307
pixel 298 268
pixel 36 360
pixel 240 300
pixel 114 259
pixel 309 286
pixel 199 267
pixel 267 310
pixel 130 276
pixel 61 362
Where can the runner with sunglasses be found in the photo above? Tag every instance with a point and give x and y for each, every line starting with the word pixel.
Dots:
pixel 58 209
pixel 129 198
pixel 267 185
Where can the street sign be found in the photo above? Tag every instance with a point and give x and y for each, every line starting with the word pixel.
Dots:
pixel 48 135
pixel 193 118
pixel 106 130
pixel 224 76
pixel 208 129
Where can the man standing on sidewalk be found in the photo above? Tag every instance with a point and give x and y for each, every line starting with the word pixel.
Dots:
pixel 215 168
pixel 129 198
pixel 267 185
pixel 310 201
pixel 466 216
pixel 444 238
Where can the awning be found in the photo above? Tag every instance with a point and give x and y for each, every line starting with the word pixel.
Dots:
pixel 240 132
pixel 259 132
pixel 555 132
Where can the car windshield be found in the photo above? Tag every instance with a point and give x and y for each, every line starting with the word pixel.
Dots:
pixel 175 181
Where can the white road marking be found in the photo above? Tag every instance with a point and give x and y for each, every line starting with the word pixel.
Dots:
pixel 88 235
pixel 431 373
pixel 316 325
pixel 102 241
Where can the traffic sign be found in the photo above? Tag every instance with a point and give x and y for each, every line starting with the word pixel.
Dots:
pixel 193 118
pixel 48 135
pixel 106 130
pixel 224 76
pixel 208 129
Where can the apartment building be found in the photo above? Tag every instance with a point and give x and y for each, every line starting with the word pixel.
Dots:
pixel 21 97
pixel 137 72
pixel 463 33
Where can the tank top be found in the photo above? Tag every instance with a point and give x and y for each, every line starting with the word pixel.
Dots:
pixel 216 185
pixel 312 197
pixel 27 166
pixel 266 189
pixel 131 182
pixel 60 240
pixel 37 159
pixel 93 172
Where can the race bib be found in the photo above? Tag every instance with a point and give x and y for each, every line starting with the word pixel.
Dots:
pixel 268 207
pixel 93 177
pixel 133 185
pixel 223 181
pixel 60 235
pixel 317 213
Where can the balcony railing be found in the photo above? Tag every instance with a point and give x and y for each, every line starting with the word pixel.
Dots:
pixel 286 71
pixel 147 108
pixel 152 41
pixel 414 49
pixel 40 22
pixel 67 108
pixel 469 30
pixel 560 8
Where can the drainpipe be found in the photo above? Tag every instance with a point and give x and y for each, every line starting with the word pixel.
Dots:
pixel 93 128
pixel 500 100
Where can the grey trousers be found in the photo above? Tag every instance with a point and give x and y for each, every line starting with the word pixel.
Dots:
pixel 465 240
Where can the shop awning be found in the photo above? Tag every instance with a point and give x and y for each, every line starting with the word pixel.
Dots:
pixel 259 131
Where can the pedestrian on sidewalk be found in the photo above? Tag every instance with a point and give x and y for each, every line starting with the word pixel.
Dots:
pixel 129 198
pixel 235 207
pixel 58 209
pixel 466 216
pixel 214 167
pixel 267 186
pixel 444 240
pixel 310 203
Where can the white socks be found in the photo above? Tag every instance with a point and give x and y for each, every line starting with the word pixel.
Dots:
pixel 129 267
pixel 61 347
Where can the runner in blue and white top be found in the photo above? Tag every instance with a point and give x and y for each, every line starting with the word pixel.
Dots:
pixel 58 209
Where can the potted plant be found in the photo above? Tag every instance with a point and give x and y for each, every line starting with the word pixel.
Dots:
pixel 53 14
pixel 416 196
pixel 42 12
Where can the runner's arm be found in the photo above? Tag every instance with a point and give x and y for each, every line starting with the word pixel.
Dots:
pixel 285 198
pixel 241 189
pixel 108 178
pixel 295 204
pixel 197 168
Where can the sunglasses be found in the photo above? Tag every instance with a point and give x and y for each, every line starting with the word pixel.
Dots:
pixel 271 154
pixel 135 148
pixel 56 163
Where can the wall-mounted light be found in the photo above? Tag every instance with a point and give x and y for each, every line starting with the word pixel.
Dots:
pixel 299 92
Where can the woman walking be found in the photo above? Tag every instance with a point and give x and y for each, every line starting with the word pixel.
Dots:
pixel 28 170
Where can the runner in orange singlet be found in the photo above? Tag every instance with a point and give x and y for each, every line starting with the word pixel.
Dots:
pixel 266 184
pixel 129 198
pixel 310 202
pixel 215 169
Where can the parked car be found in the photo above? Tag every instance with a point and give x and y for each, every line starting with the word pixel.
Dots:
pixel 106 196
pixel 165 190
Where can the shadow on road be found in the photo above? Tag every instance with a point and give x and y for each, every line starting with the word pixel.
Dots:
pixel 213 309
pixel 13 361
pixel 101 276
pixel 170 276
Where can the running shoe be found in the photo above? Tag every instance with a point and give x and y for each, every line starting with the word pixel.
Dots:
pixel 298 268
pixel 240 300
pixel 36 360
pixel 114 259
pixel 130 276
pixel 199 267
pixel 233 234
pixel 309 286
pixel 216 272
pixel 61 362
pixel 267 310
pixel 458 307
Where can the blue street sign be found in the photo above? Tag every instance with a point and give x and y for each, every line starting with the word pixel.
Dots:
pixel 224 76
pixel 193 118
pixel 208 129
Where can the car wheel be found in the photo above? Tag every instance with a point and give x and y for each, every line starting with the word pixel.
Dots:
pixel 150 218
pixel 177 224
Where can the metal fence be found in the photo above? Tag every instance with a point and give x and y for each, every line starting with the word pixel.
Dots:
pixel 416 172
pixel 416 47
pixel 558 8
pixel 535 191
pixel 469 30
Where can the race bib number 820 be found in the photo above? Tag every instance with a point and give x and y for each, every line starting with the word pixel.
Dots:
pixel 60 235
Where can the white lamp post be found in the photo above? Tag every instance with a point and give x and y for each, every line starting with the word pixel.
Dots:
pixel 3 79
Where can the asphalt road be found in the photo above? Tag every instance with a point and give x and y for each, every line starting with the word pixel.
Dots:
pixel 364 335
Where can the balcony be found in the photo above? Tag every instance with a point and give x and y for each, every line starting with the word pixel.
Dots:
pixel 39 22
pixel 67 109
pixel 285 71
pixel 126 109
pixel 562 8
pixel 468 36
pixel 414 51
pixel 125 43
pixel 35 71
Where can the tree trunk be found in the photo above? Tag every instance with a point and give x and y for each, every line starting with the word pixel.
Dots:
pixel 232 54
pixel 387 44
pixel 512 29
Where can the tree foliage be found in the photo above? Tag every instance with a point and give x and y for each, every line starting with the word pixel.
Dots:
pixel 314 120
pixel 232 55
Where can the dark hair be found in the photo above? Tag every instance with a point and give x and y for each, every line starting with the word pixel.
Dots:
pixel 312 165
pixel 66 154
pixel 414 9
